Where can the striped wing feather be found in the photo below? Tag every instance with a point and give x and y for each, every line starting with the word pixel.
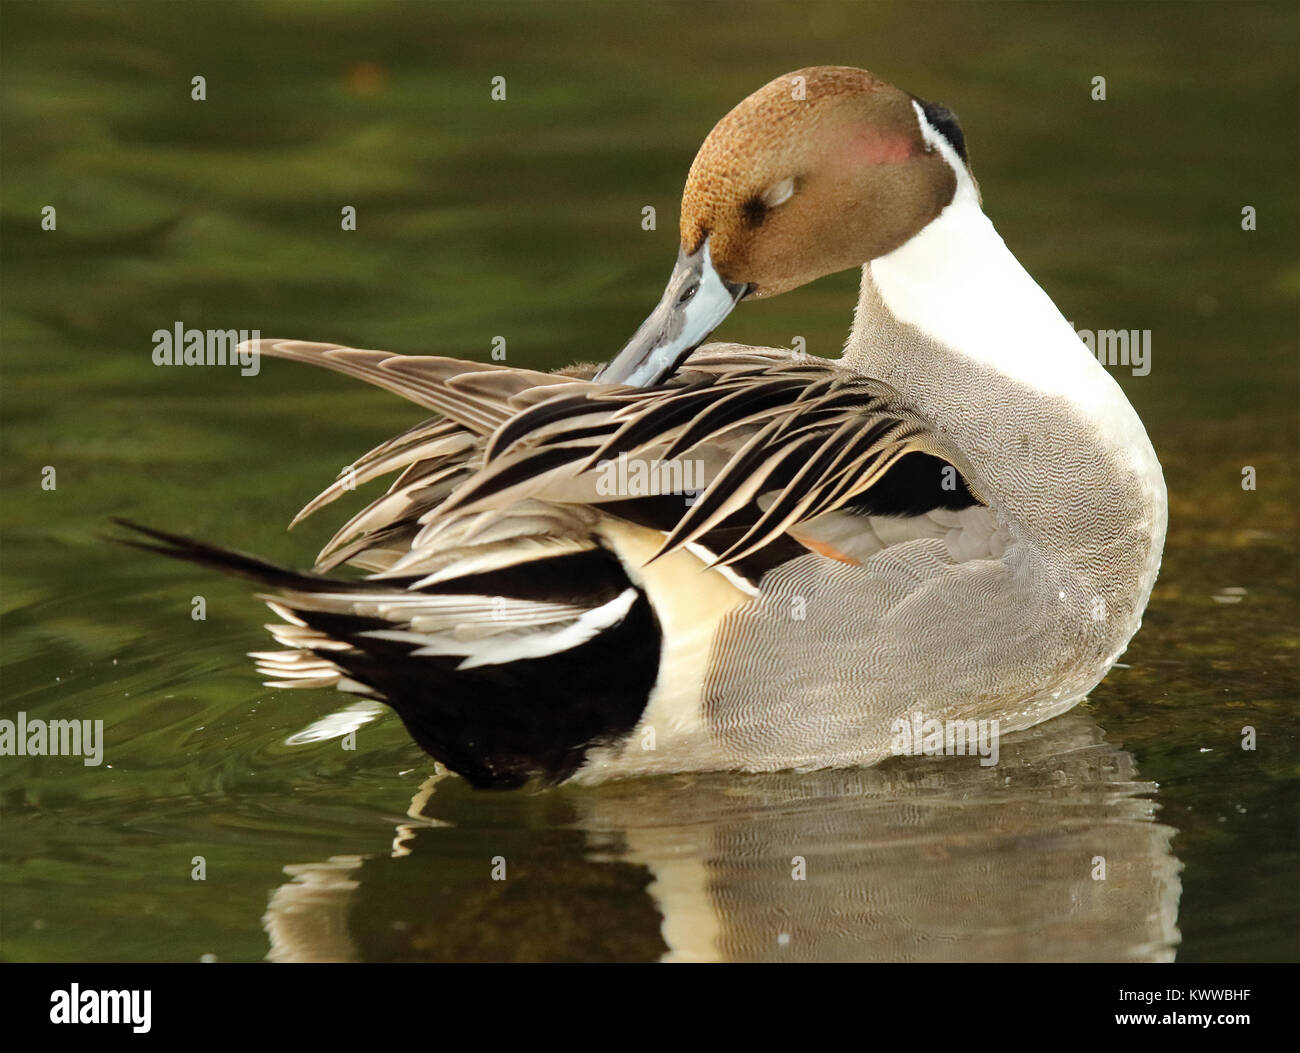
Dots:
pixel 781 438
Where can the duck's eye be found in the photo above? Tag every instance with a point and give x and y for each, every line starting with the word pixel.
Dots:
pixel 688 293
pixel 778 193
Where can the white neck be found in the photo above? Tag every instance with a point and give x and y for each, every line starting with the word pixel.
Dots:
pixel 954 323
pixel 958 283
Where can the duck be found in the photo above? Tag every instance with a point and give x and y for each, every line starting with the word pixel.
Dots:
pixel 709 556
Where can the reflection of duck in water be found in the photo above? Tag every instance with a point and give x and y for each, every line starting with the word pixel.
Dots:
pixel 961 517
pixel 1053 855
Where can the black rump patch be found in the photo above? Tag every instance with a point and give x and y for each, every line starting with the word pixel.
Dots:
pixel 496 725
pixel 945 123
pixel 500 726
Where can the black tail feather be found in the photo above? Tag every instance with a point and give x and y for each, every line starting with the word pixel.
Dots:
pixel 191 550
pixel 498 725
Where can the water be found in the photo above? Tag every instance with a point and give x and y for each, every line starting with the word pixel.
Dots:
pixel 523 219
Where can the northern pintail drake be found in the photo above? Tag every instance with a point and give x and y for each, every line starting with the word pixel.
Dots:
pixel 745 557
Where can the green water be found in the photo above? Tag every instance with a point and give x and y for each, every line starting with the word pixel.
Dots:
pixel 523 219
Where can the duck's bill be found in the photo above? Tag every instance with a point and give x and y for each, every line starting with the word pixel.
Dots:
pixel 694 304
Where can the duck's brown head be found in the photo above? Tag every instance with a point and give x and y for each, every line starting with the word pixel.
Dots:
pixel 823 169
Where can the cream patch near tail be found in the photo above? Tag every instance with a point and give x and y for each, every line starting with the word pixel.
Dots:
pixel 690 601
